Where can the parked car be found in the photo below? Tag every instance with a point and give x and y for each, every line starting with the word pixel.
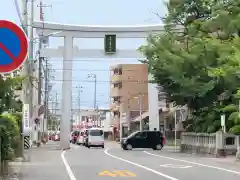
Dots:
pixel 144 139
pixel 57 136
pixel 80 138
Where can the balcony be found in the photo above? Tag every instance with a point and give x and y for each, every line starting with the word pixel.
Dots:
pixel 115 92
pixel 116 78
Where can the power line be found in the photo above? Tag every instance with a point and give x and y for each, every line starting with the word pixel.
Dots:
pixel 107 81
pixel 18 11
pixel 100 60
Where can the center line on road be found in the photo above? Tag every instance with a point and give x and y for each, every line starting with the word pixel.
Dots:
pixel 140 166
pixel 195 163
pixel 68 169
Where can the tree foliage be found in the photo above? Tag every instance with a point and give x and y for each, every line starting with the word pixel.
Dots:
pixel 196 58
pixel 8 100
pixel 9 135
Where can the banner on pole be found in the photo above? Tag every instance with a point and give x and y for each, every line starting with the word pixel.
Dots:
pixel 26 116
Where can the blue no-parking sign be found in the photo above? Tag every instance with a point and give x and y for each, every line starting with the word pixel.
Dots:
pixel 13 46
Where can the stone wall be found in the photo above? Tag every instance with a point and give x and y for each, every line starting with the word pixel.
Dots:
pixel 217 144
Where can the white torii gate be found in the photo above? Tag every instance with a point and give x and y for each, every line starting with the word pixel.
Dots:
pixel 68 52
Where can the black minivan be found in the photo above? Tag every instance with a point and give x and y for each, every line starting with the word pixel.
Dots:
pixel 144 139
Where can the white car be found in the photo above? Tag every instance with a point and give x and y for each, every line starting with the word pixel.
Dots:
pixel 95 138
pixel 80 139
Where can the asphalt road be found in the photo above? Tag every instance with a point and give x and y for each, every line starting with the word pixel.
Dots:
pixel 112 162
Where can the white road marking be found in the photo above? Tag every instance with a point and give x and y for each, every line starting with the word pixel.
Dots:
pixel 140 166
pixel 68 169
pixel 195 163
pixel 175 166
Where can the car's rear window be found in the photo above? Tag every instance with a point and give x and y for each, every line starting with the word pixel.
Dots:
pixel 96 132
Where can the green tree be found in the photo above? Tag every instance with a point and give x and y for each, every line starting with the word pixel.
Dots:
pixel 197 62
pixel 8 99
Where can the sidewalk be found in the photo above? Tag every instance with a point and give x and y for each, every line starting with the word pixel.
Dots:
pixel 42 163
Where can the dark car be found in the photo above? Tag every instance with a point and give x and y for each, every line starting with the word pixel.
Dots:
pixel 144 139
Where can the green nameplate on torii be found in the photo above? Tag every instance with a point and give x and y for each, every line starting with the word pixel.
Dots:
pixel 110 43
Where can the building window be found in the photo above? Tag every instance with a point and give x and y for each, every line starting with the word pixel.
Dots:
pixel 118 85
pixel 117 71
pixel 116 113
pixel 120 71
pixel 116 99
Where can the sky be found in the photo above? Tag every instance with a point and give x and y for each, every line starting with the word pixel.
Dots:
pixel 91 12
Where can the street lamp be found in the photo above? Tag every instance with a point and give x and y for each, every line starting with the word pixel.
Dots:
pixel 139 97
pixel 95 88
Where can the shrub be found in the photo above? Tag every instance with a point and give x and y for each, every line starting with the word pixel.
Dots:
pixel 7 153
pixel 9 136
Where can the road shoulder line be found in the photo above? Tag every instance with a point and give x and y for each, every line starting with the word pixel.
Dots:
pixel 194 163
pixel 139 165
pixel 68 168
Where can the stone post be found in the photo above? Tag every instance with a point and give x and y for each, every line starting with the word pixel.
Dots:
pixel 220 150
pixel 238 148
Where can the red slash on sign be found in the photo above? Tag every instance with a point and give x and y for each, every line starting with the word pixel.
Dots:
pixel 13 46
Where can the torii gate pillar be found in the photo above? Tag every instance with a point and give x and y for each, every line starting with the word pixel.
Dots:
pixel 66 101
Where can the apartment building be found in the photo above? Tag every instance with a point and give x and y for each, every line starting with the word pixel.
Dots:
pixel 129 93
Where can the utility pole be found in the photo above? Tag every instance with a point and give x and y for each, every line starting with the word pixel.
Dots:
pixel 25 71
pixel 80 89
pixel 56 103
pixel 79 106
pixel 46 77
pixel 95 90
pixel 53 113
pixel 128 116
pixel 40 58
pixel 40 62
pixel 30 60
pixel 140 110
